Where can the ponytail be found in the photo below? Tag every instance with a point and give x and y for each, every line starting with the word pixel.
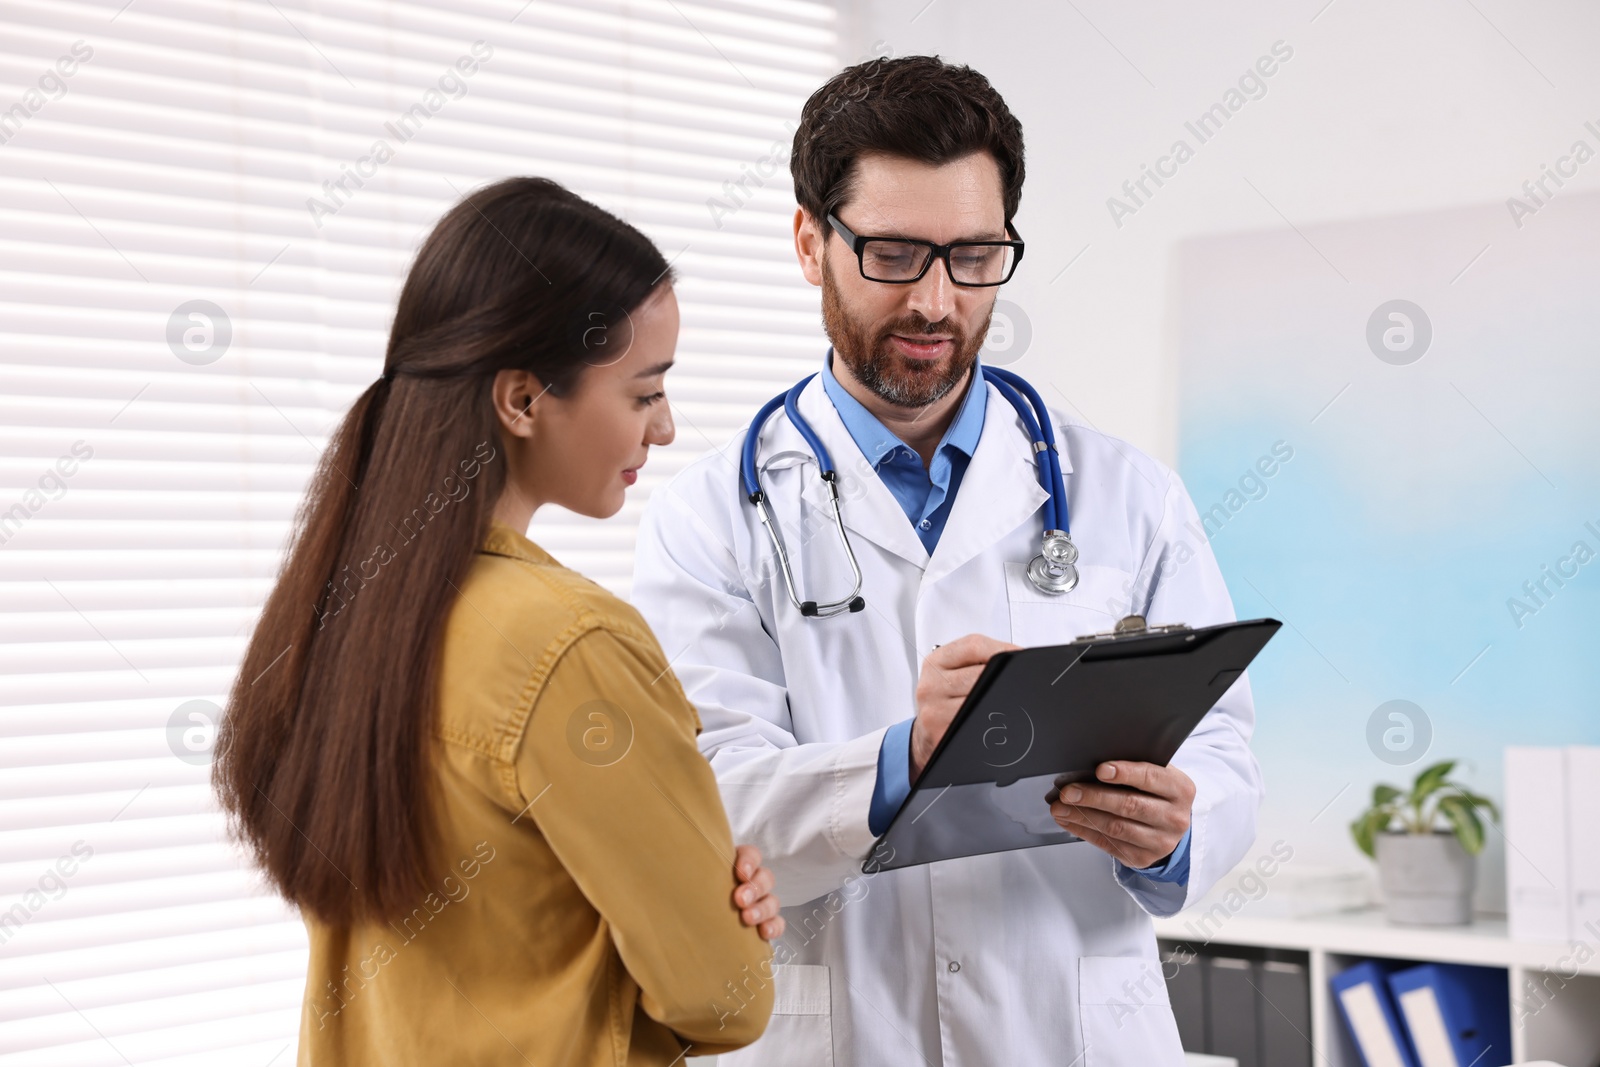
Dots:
pixel 324 755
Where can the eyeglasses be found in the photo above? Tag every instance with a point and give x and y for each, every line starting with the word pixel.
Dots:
pixel 901 261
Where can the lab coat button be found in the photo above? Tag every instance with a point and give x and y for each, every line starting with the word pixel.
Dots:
pixel 954 966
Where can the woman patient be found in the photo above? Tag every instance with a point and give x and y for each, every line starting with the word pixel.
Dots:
pixel 471 768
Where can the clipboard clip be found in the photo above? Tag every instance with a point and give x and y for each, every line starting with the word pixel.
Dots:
pixel 1134 626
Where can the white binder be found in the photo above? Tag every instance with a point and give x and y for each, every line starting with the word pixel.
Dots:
pixel 1583 842
pixel 1538 881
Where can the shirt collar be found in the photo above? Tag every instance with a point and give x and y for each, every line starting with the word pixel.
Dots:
pixel 877 441
pixel 502 540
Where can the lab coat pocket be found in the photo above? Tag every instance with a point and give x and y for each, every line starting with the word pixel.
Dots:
pixel 1101 597
pixel 801 1031
pixel 1126 1017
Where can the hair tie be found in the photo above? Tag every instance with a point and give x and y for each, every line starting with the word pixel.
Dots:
pixel 386 376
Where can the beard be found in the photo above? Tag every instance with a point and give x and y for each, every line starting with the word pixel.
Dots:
pixel 890 376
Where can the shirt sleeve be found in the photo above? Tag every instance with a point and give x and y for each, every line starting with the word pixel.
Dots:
pixel 894 777
pixel 1173 869
pixel 615 783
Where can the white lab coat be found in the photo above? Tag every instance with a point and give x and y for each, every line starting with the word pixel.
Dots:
pixel 1032 957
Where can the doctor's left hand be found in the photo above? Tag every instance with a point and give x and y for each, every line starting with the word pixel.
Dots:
pixel 1137 812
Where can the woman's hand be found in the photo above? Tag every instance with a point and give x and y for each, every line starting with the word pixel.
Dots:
pixel 753 896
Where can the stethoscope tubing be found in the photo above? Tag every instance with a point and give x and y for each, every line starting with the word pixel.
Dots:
pixel 1035 421
pixel 1030 408
pixel 1042 439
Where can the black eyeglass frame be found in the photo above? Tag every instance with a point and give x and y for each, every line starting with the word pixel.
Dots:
pixel 859 243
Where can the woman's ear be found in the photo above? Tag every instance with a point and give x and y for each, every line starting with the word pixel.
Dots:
pixel 516 396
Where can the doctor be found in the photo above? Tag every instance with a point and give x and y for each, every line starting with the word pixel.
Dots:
pixel 815 724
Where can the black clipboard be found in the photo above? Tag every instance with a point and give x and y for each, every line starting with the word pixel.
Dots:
pixel 1038 718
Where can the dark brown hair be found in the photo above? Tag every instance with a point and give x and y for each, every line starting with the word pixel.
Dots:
pixel 324 755
pixel 917 107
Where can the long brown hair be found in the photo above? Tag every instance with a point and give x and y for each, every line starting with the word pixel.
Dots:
pixel 323 758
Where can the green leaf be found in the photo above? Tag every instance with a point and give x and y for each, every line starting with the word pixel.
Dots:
pixel 1367 827
pixel 1361 832
pixel 1383 794
pixel 1430 780
pixel 1464 820
pixel 1484 802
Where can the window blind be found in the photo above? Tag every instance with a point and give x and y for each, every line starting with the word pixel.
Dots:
pixel 206 211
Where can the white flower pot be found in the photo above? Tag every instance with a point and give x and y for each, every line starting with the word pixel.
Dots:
pixel 1427 879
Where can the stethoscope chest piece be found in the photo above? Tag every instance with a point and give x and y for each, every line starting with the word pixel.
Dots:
pixel 1053 570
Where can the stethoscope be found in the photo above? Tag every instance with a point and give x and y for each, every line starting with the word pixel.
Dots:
pixel 1053 570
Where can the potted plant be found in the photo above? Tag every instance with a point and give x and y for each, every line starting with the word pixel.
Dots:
pixel 1424 841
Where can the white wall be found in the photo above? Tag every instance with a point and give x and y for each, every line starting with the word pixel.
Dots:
pixel 1380 111
pixel 1383 109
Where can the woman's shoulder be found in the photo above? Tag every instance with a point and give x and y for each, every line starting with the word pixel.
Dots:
pixel 518 613
pixel 535 591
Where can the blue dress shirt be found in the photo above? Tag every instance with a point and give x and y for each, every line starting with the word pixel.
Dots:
pixel 926 494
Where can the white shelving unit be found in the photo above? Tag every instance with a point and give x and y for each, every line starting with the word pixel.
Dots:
pixel 1561 1023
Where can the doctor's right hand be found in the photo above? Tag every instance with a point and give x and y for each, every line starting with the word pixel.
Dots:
pixel 948 675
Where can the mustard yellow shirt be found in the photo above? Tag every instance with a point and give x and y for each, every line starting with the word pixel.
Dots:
pixel 583 911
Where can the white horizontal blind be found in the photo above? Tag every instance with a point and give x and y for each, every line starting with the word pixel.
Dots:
pixel 159 153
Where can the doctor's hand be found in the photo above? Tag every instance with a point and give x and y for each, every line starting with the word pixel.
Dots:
pixel 753 896
pixel 1137 812
pixel 947 677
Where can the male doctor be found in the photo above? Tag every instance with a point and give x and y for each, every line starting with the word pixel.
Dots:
pixel 815 727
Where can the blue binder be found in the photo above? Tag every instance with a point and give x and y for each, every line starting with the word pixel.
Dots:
pixel 1455 1015
pixel 1369 1011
